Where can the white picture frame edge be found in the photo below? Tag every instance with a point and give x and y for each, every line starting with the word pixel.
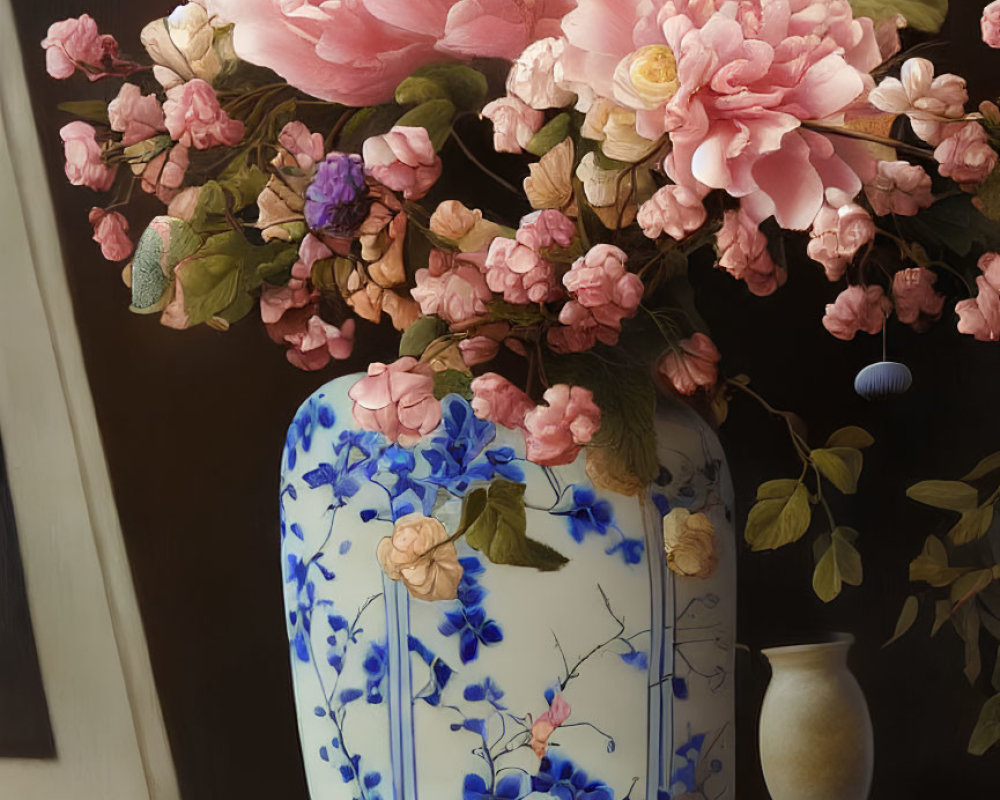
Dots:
pixel 106 718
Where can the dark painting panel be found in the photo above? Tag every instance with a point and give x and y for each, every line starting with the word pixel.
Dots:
pixel 193 423
pixel 25 730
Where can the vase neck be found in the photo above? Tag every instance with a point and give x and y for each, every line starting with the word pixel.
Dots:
pixel 823 656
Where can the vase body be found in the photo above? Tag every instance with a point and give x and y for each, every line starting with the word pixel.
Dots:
pixel 815 731
pixel 399 698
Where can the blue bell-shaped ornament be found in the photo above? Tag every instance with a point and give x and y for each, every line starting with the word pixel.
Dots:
pixel 882 379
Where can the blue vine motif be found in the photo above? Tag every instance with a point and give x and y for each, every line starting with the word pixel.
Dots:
pixel 315 412
pixel 585 513
pixel 469 620
pixel 562 779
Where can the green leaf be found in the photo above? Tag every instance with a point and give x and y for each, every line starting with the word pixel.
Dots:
pixel 950 495
pixel 966 620
pixel 779 520
pixel 923 15
pixel 549 135
pixel 989 464
pixel 464 86
pixel 839 565
pixel 932 567
pixel 370 121
pixel 942 612
pixel 988 196
pixel 840 465
pixel 163 245
pixel 906 618
pixel 782 487
pixel 496 526
pixel 987 730
pixel 452 381
pixel 94 110
pixel 239 308
pixel 514 313
pixel 435 116
pixel 421 333
pixel 969 585
pixel 953 222
pixel 851 436
pixel 972 525
pixel 415 90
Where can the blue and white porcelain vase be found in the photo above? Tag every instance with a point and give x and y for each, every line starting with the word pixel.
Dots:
pixel 400 698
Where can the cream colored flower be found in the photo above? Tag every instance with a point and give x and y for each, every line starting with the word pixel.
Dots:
pixel 689 541
pixel 464 226
pixel 647 78
pixel 550 184
pixel 419 554
pixel 614 127
pixel 186 45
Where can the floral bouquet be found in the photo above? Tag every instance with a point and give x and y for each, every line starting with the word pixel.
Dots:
pixel 518 189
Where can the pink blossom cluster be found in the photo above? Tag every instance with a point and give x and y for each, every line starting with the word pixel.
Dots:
pixel 452 287
pixel 899 188
pixel 135 115
pixel 673 210
pixel 195 119
pixel 291 314
pixel 602 294
pixel 75 44
pixel 836 236
pixel 913 296
pixel 518 268
pixel 694 365
pixel 743 253
pixel 990 24
pixel 966 155
pixel 163 175
pixel 553 432
pixel 84 164
pixel 731 83
pixel 514 123
pixel 857 308
pixel 404 160
pixel 979 316
pixel 397 400
pixel 111 233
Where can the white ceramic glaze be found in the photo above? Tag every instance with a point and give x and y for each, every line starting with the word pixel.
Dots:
pixel 815 731
pixel 399 698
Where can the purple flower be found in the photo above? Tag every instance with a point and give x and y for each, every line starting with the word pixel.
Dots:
pixel 337 199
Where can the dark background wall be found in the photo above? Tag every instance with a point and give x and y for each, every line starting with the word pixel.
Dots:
pixel 193 425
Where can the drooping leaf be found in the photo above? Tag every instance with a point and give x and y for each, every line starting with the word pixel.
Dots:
pixel 851 436
pixel 969 585
pixel 987 730
pixel 415 90
pixel 93 110
pixel 990 463
pixel 924 15
pixel 370 121
pixel 514 313
pixel 779 520
pixel 840 465
pixel 499 530
pixel 932 567
pixel 452 381
pixel 942 612
pixel 950 495
pixel 549 135
pixel 906 618
pixel 966 620
pixel 953 222
pixel 972 525
pixel 988 196
pixel 780 487
pixel 421 333
pixel 435 116
pixel 839 565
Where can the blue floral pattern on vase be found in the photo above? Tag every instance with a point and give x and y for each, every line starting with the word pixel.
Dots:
pixel 400 698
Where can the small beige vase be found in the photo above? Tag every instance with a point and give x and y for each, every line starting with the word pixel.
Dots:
pixel 815 731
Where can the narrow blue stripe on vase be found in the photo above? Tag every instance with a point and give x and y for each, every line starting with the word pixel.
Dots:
pixel 395 649
pixel 407 743
pixel 660 743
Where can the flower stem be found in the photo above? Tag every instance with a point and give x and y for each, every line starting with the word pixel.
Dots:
pixel 482 167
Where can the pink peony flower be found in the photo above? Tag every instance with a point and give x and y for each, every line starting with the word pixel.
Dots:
pixel 164 174
pixel 532 76
pixel 111 233
pixel 397 400
pixel 318 341
pixel 135 115
pixel 673 210
pixel 603 293
pixel 356 52
pixel 731 83
pixel 305 147
pixel 743 254
pixel 514 123
pixel 497 399
pixel 195 119
pixel 74 43
pixel 84 165
pixel 546 724
pixel 456 293
pixel 517 268
pixel 837 234
pixel 554 433
pixel 979 316
pixel 404 160
pixel 695 366
pixel 966 156
pixel 914 297
pixel 899 188
pixel 857 308
pixel 990 24
pixel 932 104
pixel 485 345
